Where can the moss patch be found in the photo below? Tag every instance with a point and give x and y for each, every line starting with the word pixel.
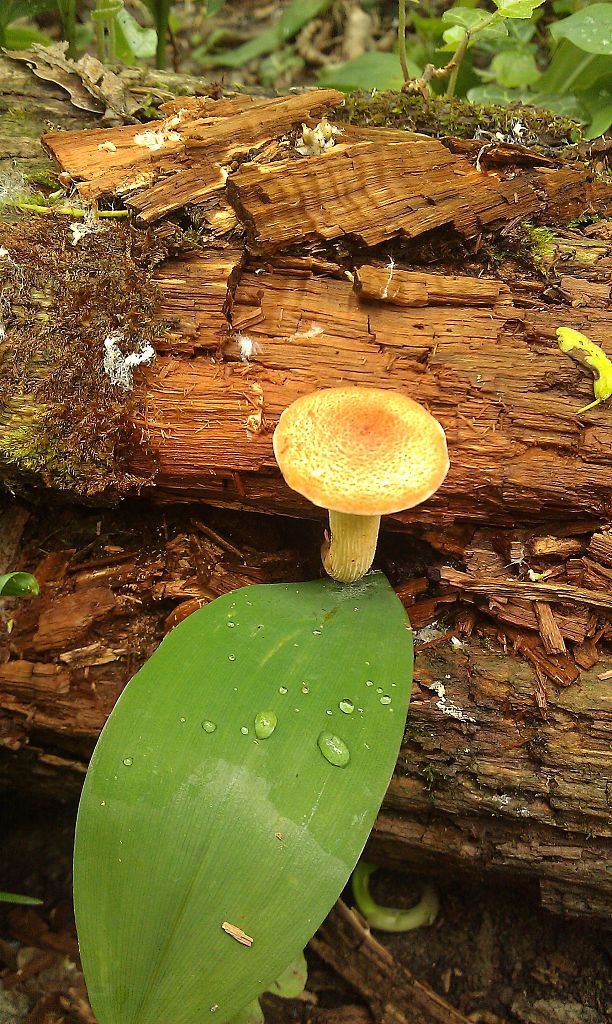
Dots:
pixel 439 117
pixel 60 415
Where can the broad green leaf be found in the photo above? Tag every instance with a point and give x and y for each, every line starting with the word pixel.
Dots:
pixel 19 584
pixel 564 104
pixel 133 41
pixel 369 71
pixel 21 37
pixel 589 29
pixel 293 980
pixel 597 102
pixel 11 10
pixel 251 1014
pixel 197 811
pixel 514 69
pixel 572 68
pixel 15 897
pixel 517 8
pixel 491 93
pixel 293 18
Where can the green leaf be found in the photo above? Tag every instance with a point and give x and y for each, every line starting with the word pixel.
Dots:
pixel 597 102
pixel 11 10
pixel 517 8
pixel 589 29
pixel 214 6
pixel 133 41
pixel 191 818
pixel 19 584
pixel 494 94
pixel 464 18
pixel 572 68
pixel 514 69
pixel 292 982
pixel 293 18
pixel 372 70
pixel 14 897
pixel 20 37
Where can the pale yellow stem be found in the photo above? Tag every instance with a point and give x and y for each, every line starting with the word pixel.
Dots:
pixel 348 551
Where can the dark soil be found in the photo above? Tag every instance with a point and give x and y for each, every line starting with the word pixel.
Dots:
pixel 493 953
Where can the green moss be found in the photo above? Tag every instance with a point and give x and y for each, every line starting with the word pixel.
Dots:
pixel 440 116
pixel 61 418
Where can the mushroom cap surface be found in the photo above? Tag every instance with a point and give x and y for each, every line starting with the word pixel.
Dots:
pixel 365 451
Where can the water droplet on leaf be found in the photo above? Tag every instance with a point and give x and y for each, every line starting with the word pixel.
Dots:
pixel 334 749
pixel 265 724
pixel 208 726
pixel 385 699
pixel 128 761
pixel 347 706
pixel 282 689
pixel 244 730
pixel 231 657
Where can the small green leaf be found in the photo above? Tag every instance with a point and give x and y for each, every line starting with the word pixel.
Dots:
pixel 251 1014
pixel 214 6
pixel 21 37
pixel 19 584
pixel 514 69
pixel 372 70
pixel 14 897
pixel 590 29
pixel 597 101
pixel 293 18
pixel 292 982
pixel 189 820
pixel 133 41
pixel 517 8
pixel 464 18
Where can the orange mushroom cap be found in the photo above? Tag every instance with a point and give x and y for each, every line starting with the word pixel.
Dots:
pixel 359 450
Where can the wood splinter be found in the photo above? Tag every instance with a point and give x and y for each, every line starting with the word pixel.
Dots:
pixel 237 933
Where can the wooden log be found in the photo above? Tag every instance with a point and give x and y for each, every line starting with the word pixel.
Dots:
pixel 399 282
pixel 506 760
pixel 490 778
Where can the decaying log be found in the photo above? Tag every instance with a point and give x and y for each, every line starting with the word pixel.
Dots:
pixel 393 994
pixel 502 769
pixel 388 259
pixel 373 262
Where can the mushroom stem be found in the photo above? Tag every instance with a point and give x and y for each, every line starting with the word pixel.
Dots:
pixel 348 550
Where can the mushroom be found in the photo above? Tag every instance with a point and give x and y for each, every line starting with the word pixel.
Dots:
pixel 361 453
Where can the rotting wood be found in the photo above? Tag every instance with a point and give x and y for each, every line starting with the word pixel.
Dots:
pixel 249 334
pixel 394 995
pixel 501 770
pixel 481 352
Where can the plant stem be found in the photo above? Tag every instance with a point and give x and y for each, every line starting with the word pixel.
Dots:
pixel 162 11
pixel 573 75
pixel 68 16
pixel 392 919
pixel 401 39
pixel 456 64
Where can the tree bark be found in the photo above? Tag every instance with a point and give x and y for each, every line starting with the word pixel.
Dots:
pixel 388 259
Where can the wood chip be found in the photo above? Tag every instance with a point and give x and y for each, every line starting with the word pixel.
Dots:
pixel 548 628
pixel 237 933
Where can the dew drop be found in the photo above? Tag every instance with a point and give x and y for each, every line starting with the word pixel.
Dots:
pixel 316 632
pixel 329 711
pixel 347 706
pixel 208 726
pixel 334 749
pixel 379 689
pixel 244 730
pixel 214 1008
pixel 369 682
pixel 231 657
pixel 385 699
pixel 282 689
pixel 231 625
pixel 182 720
pixel 128 761
pixel 102 803
pixel 265 724
pixel 305 689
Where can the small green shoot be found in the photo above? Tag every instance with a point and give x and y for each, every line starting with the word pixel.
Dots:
pixel 392 919
pixel 585 352
pixel 19 584
pixel 15 897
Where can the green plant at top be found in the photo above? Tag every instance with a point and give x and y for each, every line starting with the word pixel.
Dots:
pixel 234 786
pixel 22 37
pixel 563 65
